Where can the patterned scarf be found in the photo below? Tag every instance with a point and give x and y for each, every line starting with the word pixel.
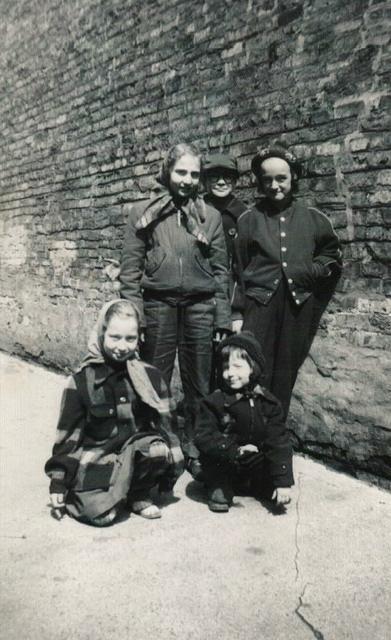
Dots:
pixel 162 204
pixel 136 368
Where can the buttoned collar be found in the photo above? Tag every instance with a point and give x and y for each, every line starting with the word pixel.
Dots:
pixel 231 399
pixel 233 206
pixel 272 211
pixel 104 371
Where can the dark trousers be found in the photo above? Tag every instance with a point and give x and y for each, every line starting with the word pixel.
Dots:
pixel 231 479
pixel 285 331
pixel 188 328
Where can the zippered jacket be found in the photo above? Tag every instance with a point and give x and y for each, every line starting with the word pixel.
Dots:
pixel 297 243
pixel 228 421
pixel 175 255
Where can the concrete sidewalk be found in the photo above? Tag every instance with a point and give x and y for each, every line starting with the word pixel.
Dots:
pixel 323 570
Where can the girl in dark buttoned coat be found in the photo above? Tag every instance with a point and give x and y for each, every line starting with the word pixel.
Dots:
pixel 290 261
pixel 174 267
pixel 114 439
pixel 241 431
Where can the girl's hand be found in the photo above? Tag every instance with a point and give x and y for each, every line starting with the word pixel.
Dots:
pixel 248 447
pixel 57 500
pixel 282 496
pixel 219 335
pixel 237 326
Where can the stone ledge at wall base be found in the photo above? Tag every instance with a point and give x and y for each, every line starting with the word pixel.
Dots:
pixel 340 410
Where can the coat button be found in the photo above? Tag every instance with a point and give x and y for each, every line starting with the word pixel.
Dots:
pixel 290 280
pixel 122 399
pixel 297 301
pixel 284 264
pixel 283 249
pixel 293 293
pixel 282 218
pixel 232 231
pixel 111 411
pixel 283 234
pixel 276 281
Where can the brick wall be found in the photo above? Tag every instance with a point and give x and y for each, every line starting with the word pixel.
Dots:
pixel 93 92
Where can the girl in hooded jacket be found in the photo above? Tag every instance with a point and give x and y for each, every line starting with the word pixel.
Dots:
pixel 114 440
pixel 174 267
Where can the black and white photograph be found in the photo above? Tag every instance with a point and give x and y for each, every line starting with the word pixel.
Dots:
pixel 195 319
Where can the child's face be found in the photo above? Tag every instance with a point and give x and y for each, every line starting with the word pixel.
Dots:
pixel 185 176
pixel 237 371
pixel 120 338
pixel 219 183
pixel 276 179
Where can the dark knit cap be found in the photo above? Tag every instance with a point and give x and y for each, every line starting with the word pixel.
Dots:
pixel 275 151
pixel 218 161
pixel 247 341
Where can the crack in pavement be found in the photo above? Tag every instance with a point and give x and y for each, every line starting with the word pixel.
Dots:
pixel 317 634
pixel 297 526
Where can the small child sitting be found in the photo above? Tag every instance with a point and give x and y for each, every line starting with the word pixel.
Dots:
pixel 114 439
pixel 241 432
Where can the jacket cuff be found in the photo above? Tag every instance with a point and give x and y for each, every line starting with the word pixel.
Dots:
pixel 226 325
pixel 326 261
pixel 232 454
pixel 320 270
pixel 282 475
pixel 237 315
pixel 223 314
pixel 57 486
pixel 282 482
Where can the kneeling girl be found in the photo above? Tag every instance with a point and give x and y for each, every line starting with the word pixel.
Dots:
pixel 114 439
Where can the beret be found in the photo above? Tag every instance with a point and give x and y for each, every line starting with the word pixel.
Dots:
pixel 275 151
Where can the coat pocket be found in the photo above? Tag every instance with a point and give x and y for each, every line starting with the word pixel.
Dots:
pixel 98 476
pixel 204 265
pixel 101 422
pixel 95 470
pixel 154 260
pixel 102 411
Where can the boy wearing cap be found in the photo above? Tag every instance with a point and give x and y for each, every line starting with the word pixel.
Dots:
pixel 290 262
pixel 240 430
pixel 220 174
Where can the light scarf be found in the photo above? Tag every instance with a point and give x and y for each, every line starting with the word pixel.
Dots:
pixel 135 367
pixel 162 203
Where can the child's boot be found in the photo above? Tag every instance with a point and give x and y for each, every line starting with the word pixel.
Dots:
pixel 146 509
pixel 105 519
pixel 218 500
